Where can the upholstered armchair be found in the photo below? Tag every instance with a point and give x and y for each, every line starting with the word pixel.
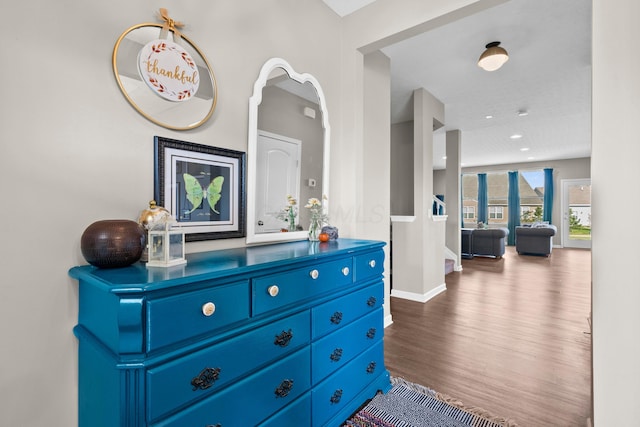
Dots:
pixel 535 240
pixel 489 241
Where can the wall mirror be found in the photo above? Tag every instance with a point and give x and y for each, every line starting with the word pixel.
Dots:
pixel 288 151
pixel 175 113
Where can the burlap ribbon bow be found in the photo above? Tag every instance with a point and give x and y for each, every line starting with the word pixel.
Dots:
pixel 170 25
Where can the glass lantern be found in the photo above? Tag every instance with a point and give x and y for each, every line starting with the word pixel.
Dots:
pixel 166 247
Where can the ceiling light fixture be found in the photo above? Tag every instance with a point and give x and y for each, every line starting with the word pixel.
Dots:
pixel 516 136
pixel 493 58
pixel 522 113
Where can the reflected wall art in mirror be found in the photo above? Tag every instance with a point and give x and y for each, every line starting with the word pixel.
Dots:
pixel 164 75
pixel 288 153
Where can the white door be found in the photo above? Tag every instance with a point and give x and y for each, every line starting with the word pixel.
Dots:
pixel 277 175
pixel 576 213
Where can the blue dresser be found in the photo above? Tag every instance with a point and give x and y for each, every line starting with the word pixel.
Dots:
pixel 289 334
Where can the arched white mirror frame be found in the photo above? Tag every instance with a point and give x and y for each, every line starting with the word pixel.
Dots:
pixel 255 100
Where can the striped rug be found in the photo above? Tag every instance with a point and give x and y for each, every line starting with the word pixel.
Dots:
pixel 412 405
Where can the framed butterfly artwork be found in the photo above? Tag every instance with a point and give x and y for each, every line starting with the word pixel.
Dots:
pixel 203 187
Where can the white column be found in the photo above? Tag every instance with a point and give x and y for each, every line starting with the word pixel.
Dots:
pixel 418 246
pixel 452 190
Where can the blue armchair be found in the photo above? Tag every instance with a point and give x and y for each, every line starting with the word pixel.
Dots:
pixel 489 241
pixel 535 240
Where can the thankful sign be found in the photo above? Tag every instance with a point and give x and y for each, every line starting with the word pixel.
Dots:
pixel 168 70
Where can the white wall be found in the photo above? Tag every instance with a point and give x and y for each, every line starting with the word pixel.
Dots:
pixel 373 196
pixel 74 151
pixel 614 173
pixel 402 168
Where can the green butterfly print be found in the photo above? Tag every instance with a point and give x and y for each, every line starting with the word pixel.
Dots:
pixel 195 192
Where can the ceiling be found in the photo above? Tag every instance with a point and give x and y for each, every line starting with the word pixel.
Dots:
pixel 548 75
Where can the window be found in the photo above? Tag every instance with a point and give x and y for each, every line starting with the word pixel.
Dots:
pixel 498 192
pixel 530 214
pixel 469 199
pixel 531 195
pixel 531 189
pixel 468 212
pixel 496 212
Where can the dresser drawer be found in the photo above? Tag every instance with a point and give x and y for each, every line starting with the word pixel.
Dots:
pixel 176 318
pixel 332 315
pixel 296 414
pixel 283 289
pixel 337 391
pixel 369 265
pixel 176 383
pixel 337 349
pixel 251 400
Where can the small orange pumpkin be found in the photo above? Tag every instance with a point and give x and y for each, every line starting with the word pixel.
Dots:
pixel 323 237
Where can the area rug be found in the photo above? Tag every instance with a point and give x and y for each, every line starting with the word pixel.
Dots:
pixel 413 405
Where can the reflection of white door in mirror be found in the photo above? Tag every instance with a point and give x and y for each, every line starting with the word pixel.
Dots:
pixel 278 175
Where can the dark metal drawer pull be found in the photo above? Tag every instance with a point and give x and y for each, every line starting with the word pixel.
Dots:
pixel 336 355
pixel 284 388
pixel 336 318
pixel 371 333
pixel 371 368
pixel 283 339
pixel 337 395
pixel 205 379
pixel 371 301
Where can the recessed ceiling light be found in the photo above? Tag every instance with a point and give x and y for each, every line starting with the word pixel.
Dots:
pixel 444 157
pixel 530 158
pixel 524 149
pixel 523 113
pixel 516 136
pixel 488 116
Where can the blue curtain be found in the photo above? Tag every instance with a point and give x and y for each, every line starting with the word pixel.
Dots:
pixel 514 207
pixel 548 195
pixel 483 198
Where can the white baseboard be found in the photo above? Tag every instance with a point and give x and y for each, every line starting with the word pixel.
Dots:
pixel 388 321
pixel 419 297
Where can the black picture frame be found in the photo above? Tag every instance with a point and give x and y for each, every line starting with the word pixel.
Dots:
pixel 187 174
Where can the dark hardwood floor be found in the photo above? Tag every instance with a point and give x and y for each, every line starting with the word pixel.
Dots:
pixel 510 336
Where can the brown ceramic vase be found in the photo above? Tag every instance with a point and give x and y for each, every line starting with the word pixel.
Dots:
pixel 112 243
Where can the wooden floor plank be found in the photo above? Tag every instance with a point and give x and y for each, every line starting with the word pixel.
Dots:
pixel 510 336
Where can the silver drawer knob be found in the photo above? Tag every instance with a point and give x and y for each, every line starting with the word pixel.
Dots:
pixel 208 309
pixel 273 290
pixel 314 274
pixel 345 271
pixel 372 263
